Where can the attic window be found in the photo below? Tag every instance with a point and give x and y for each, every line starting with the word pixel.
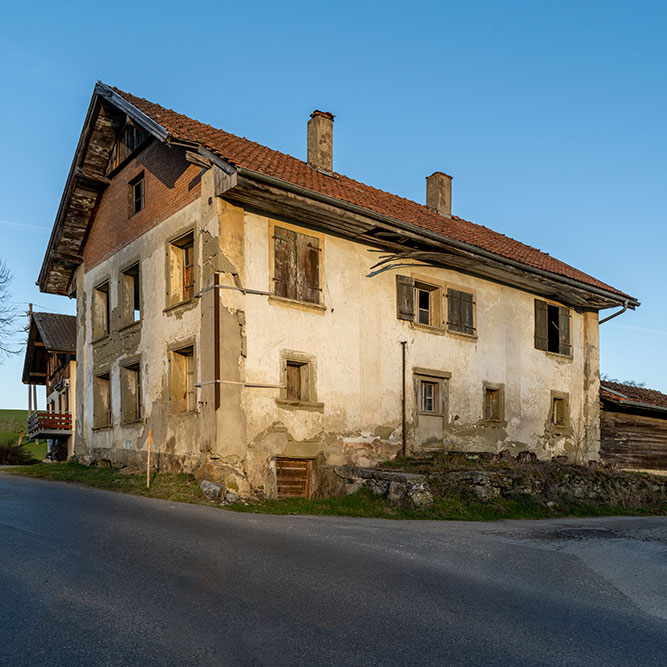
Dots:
pixel 137 188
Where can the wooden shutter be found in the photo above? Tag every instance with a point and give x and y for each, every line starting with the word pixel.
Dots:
pixel 541 335
pixel 467 316
pixel 564 346
pixel 293 382
pixel 454 310
pixel 405 298
pixel 308 268
pixel 285 263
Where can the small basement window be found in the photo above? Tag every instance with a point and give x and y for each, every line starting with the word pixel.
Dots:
pixel 137 190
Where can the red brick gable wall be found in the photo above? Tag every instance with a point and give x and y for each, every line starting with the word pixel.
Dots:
pixel 170 183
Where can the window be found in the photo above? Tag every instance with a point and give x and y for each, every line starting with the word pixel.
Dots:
pixel 428 396
pixel 102 400
pixel 183 379
pixel 494 403
pixel 296 270
pixel 294 381
pixel 130 290
pixel 131 395
pixel 101 311
pixel 460 311
pixel 552 328
pixel 182 269
pixel 559 416
pixel 137 194
pixel 297 377
pixel 418 301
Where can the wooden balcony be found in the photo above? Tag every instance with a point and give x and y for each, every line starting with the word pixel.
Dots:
pixel 43 424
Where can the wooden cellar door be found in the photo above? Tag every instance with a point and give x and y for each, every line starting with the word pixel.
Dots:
pixel 293 477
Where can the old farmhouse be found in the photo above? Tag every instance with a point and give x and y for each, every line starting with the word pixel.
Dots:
pixel 261 314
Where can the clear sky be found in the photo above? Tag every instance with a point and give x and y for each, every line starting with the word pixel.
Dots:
pixel 550 117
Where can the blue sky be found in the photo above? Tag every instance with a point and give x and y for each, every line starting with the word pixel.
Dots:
pixel 550 117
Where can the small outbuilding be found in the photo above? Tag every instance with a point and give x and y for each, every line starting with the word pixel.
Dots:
pixel 633 426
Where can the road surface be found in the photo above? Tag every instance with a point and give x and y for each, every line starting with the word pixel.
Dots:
pixel 89 577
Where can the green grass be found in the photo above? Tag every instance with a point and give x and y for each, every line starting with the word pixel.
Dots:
pixel 12 422
pixel 168 486
pixel 184 488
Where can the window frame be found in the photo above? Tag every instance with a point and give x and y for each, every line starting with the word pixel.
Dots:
pixel 101 313
pixel 548 335
pixel 426 376
pixel 306 233
pixel 178 291
pixel 130 295
pixel 183 360
pixel 564 397
pixel 131 390
pixel 102 405
pixel 306 365
pixel 487 389
pixel 138 183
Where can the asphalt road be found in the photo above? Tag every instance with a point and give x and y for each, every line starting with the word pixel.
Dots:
pixel 95 578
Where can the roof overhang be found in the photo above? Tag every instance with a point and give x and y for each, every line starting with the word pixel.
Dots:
pixel 86 181
pixel 405 243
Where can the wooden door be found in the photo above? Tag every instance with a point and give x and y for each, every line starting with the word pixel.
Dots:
pixel 293 477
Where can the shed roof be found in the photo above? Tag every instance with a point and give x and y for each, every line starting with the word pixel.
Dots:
pixel 630 396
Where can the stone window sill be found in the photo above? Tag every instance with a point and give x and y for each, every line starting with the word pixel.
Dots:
pixel 100 339
pixel 300 405
pixel 294 303
pixel 133 422
pixel 176 306
pixel 102 427
pixel 129 325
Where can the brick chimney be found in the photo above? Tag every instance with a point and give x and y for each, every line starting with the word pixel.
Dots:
pixel 320 141
pixel 439 193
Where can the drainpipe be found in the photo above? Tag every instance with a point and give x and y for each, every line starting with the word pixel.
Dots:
pixel 616 314
pixel 404 434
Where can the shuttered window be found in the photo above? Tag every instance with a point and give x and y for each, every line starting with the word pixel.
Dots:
pixel 552 328
pixel 293 477
pixel 493 407
pixel 296 272
pixel 460 311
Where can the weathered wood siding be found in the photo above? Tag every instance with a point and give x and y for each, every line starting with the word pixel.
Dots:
pixel 633 440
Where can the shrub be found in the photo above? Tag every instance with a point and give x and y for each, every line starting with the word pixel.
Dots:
pixel 10 454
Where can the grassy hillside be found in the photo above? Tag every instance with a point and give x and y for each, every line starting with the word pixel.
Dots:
pixel 12 422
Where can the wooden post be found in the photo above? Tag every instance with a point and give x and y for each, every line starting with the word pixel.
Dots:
pixel 148 465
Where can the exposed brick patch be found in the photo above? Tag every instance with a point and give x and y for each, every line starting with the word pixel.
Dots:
pixel 171 183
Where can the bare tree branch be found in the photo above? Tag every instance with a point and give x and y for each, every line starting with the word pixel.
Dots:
pixel 8 313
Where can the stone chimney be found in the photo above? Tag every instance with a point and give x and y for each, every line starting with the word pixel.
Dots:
pixel 320 141
pixel 439 193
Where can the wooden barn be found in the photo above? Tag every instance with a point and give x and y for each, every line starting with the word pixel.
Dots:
pixel 633 426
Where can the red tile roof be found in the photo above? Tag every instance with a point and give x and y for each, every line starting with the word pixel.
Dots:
pixel 630 393
pixel 250 155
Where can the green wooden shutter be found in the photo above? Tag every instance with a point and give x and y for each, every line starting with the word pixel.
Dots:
pixel 541 335
pixel 405 298
pixel 564 346
pixel 285 263
pixel 308 268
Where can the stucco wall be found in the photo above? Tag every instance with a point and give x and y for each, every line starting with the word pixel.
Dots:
pixel 355 342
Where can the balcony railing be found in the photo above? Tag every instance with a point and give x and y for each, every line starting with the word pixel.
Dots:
pixel 43 424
